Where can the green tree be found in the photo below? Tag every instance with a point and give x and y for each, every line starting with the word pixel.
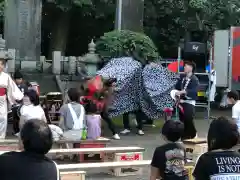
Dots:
pixel 168 21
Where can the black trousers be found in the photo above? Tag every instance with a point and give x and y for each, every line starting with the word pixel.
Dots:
pixel 139 115
pixel 187 118
pixel 108 120
pixel 16 120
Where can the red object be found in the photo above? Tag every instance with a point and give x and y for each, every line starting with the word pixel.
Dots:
pixel 174 66
pixel 235 33
pixel 91 145
pixel 135 157
pixel 94 85
pixel 3 91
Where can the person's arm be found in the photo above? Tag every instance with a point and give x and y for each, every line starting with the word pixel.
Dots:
pixel 156 163
pixel 200 170
pixel 61 118
pixel 13 92
pixel 235 113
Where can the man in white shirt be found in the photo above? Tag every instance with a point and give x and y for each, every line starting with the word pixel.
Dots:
pixel 233 98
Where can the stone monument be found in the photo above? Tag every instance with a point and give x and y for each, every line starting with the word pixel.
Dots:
pixel 129 15
pixel 22 29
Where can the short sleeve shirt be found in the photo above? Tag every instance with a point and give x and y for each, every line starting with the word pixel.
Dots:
pixel 26 166
pixel 221 165
pixel 236 113
pixel 170 160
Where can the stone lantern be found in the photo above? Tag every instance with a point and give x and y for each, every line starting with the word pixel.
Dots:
pixel 91 60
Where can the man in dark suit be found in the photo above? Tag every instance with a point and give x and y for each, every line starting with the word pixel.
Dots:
pixel 187 87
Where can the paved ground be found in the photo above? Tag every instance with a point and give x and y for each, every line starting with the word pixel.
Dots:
pixel 150 141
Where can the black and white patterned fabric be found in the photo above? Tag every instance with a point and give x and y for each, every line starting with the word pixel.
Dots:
pixel 147 89
pixel 127 71
pixel 157 82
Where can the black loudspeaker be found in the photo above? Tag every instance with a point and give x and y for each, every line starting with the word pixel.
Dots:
pixel 195 47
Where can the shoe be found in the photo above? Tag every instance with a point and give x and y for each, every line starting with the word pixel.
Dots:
pixel 17 134
pixel 116 136
pixel 140 132
pixel 125 131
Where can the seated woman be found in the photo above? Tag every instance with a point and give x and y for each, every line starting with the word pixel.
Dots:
pixel 30 163
pixel 221 161
pixel 31 108
pixel 72 116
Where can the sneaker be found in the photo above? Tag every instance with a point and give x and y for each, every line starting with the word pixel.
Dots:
pixel 125 131
pixel 140 132
pixel 17 134
pixel 116 136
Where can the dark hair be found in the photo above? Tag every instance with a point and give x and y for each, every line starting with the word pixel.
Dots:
pixel 74 94
pixel 222 134
pixel 90 106
pixel 33 96
pixel 3 61
pixel 190 63
pixel 109 82
pixel 173 130
pixel 17 75
pixel 233 94
pixel 36 136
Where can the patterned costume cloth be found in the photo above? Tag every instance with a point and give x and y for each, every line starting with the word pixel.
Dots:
pixel 145 88
pixel 126 93
pixel 155 95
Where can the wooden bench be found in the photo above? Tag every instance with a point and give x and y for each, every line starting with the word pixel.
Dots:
pixel 195 147
pixel 73 175
pixel 99 143
pixel 115 165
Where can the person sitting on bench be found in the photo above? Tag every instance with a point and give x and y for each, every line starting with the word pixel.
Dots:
pixel 169 159
pixel 30 163
pixel 72 117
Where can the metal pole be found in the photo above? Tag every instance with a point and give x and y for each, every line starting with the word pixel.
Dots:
pixel 209 83
pixel 119 15
pixel 179 58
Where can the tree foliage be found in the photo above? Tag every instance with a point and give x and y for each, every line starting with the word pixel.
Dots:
pixel 127 43
pixel 166 21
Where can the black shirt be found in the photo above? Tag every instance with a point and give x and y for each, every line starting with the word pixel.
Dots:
pixel 221 165
pixel 26 166
pixel 170 160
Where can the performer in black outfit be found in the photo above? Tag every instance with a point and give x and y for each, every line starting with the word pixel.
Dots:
pixel 18 78
pixel 187 87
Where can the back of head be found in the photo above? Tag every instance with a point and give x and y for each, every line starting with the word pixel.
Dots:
pixel 90 106
pixel 17 75
pixel 233 95
pixel 33 96
pixel 74 94
pixel 172 130
pixel 36 137
pixel 222 134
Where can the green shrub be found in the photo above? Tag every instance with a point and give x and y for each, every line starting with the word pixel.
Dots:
pixel 126 43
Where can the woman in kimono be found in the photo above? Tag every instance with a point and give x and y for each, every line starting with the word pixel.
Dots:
pixel 9 92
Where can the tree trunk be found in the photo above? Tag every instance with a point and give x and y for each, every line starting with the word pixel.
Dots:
pixel 59 37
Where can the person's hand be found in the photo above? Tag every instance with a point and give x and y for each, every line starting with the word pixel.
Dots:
pixel 178 93
pixel 183 92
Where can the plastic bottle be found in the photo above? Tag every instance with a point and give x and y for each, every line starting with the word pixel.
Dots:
pixel 84 134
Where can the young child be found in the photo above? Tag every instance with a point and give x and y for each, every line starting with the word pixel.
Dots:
pixel 93 119
pixel 169 159
pixel 233 99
